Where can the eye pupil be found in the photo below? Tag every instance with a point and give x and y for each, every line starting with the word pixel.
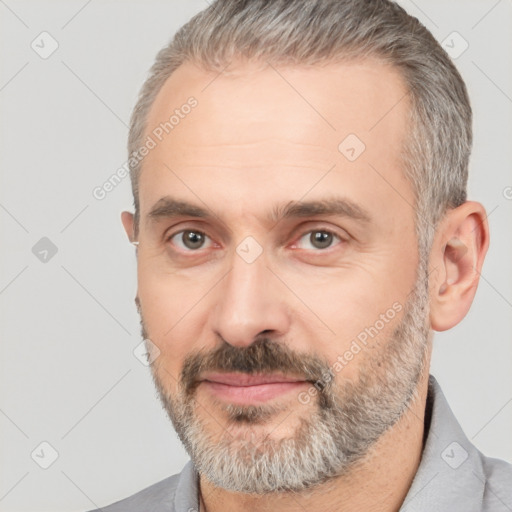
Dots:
pixel 321 239
pixel 193 239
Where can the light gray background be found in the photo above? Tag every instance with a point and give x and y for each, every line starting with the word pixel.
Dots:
pixel 68 375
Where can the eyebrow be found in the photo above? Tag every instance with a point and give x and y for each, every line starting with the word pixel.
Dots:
pixel 168 207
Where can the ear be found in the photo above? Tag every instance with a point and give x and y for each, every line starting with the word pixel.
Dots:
pixel 456 259
pixel 127 220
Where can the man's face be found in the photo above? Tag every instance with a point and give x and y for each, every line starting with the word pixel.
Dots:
pixel 244 296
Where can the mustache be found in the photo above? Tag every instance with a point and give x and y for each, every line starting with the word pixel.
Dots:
pixel 262 356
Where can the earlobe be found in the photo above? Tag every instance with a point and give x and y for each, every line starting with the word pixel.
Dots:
pixel 127 220
pixel 457 254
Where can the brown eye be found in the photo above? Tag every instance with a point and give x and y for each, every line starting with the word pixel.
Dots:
pixel 321 239
pixel 189 239
pixel 318 239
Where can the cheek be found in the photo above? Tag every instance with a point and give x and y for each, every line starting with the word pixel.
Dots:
pixel 351 312
pixel 347 299
pixel 171 308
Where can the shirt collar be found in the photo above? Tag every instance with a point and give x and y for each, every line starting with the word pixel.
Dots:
pixel 450 475
pixel 186 497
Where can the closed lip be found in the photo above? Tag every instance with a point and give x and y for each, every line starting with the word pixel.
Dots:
pixel 243 379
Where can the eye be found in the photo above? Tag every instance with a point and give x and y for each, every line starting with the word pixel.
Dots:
pixel 318 238
pixel 189 240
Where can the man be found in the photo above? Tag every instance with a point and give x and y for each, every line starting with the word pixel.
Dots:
pixel 299 174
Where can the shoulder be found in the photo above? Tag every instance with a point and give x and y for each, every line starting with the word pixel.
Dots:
pixel 158 497
pixel 497 485
pixel 497 470
pixel 453 473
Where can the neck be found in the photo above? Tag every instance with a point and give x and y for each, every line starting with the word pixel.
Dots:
pixel 379 482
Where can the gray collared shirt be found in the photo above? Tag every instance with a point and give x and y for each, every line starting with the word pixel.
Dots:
pixel 453 475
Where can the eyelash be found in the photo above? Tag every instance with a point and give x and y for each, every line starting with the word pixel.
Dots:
pixel 318 230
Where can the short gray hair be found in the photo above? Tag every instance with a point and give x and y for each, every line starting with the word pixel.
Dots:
pixel 308 32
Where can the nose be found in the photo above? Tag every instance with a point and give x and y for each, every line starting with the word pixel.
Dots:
pixel 250 303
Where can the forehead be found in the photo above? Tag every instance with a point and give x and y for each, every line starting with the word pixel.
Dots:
pixel 255 123
pixel 268 99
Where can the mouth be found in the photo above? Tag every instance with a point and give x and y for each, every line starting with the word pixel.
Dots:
pixel 240 388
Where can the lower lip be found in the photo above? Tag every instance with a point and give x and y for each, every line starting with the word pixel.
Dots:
pixel 251 394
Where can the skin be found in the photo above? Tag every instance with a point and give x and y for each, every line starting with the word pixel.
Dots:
pixel 254 141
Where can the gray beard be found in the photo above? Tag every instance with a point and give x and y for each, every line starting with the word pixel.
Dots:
pixel 338 428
